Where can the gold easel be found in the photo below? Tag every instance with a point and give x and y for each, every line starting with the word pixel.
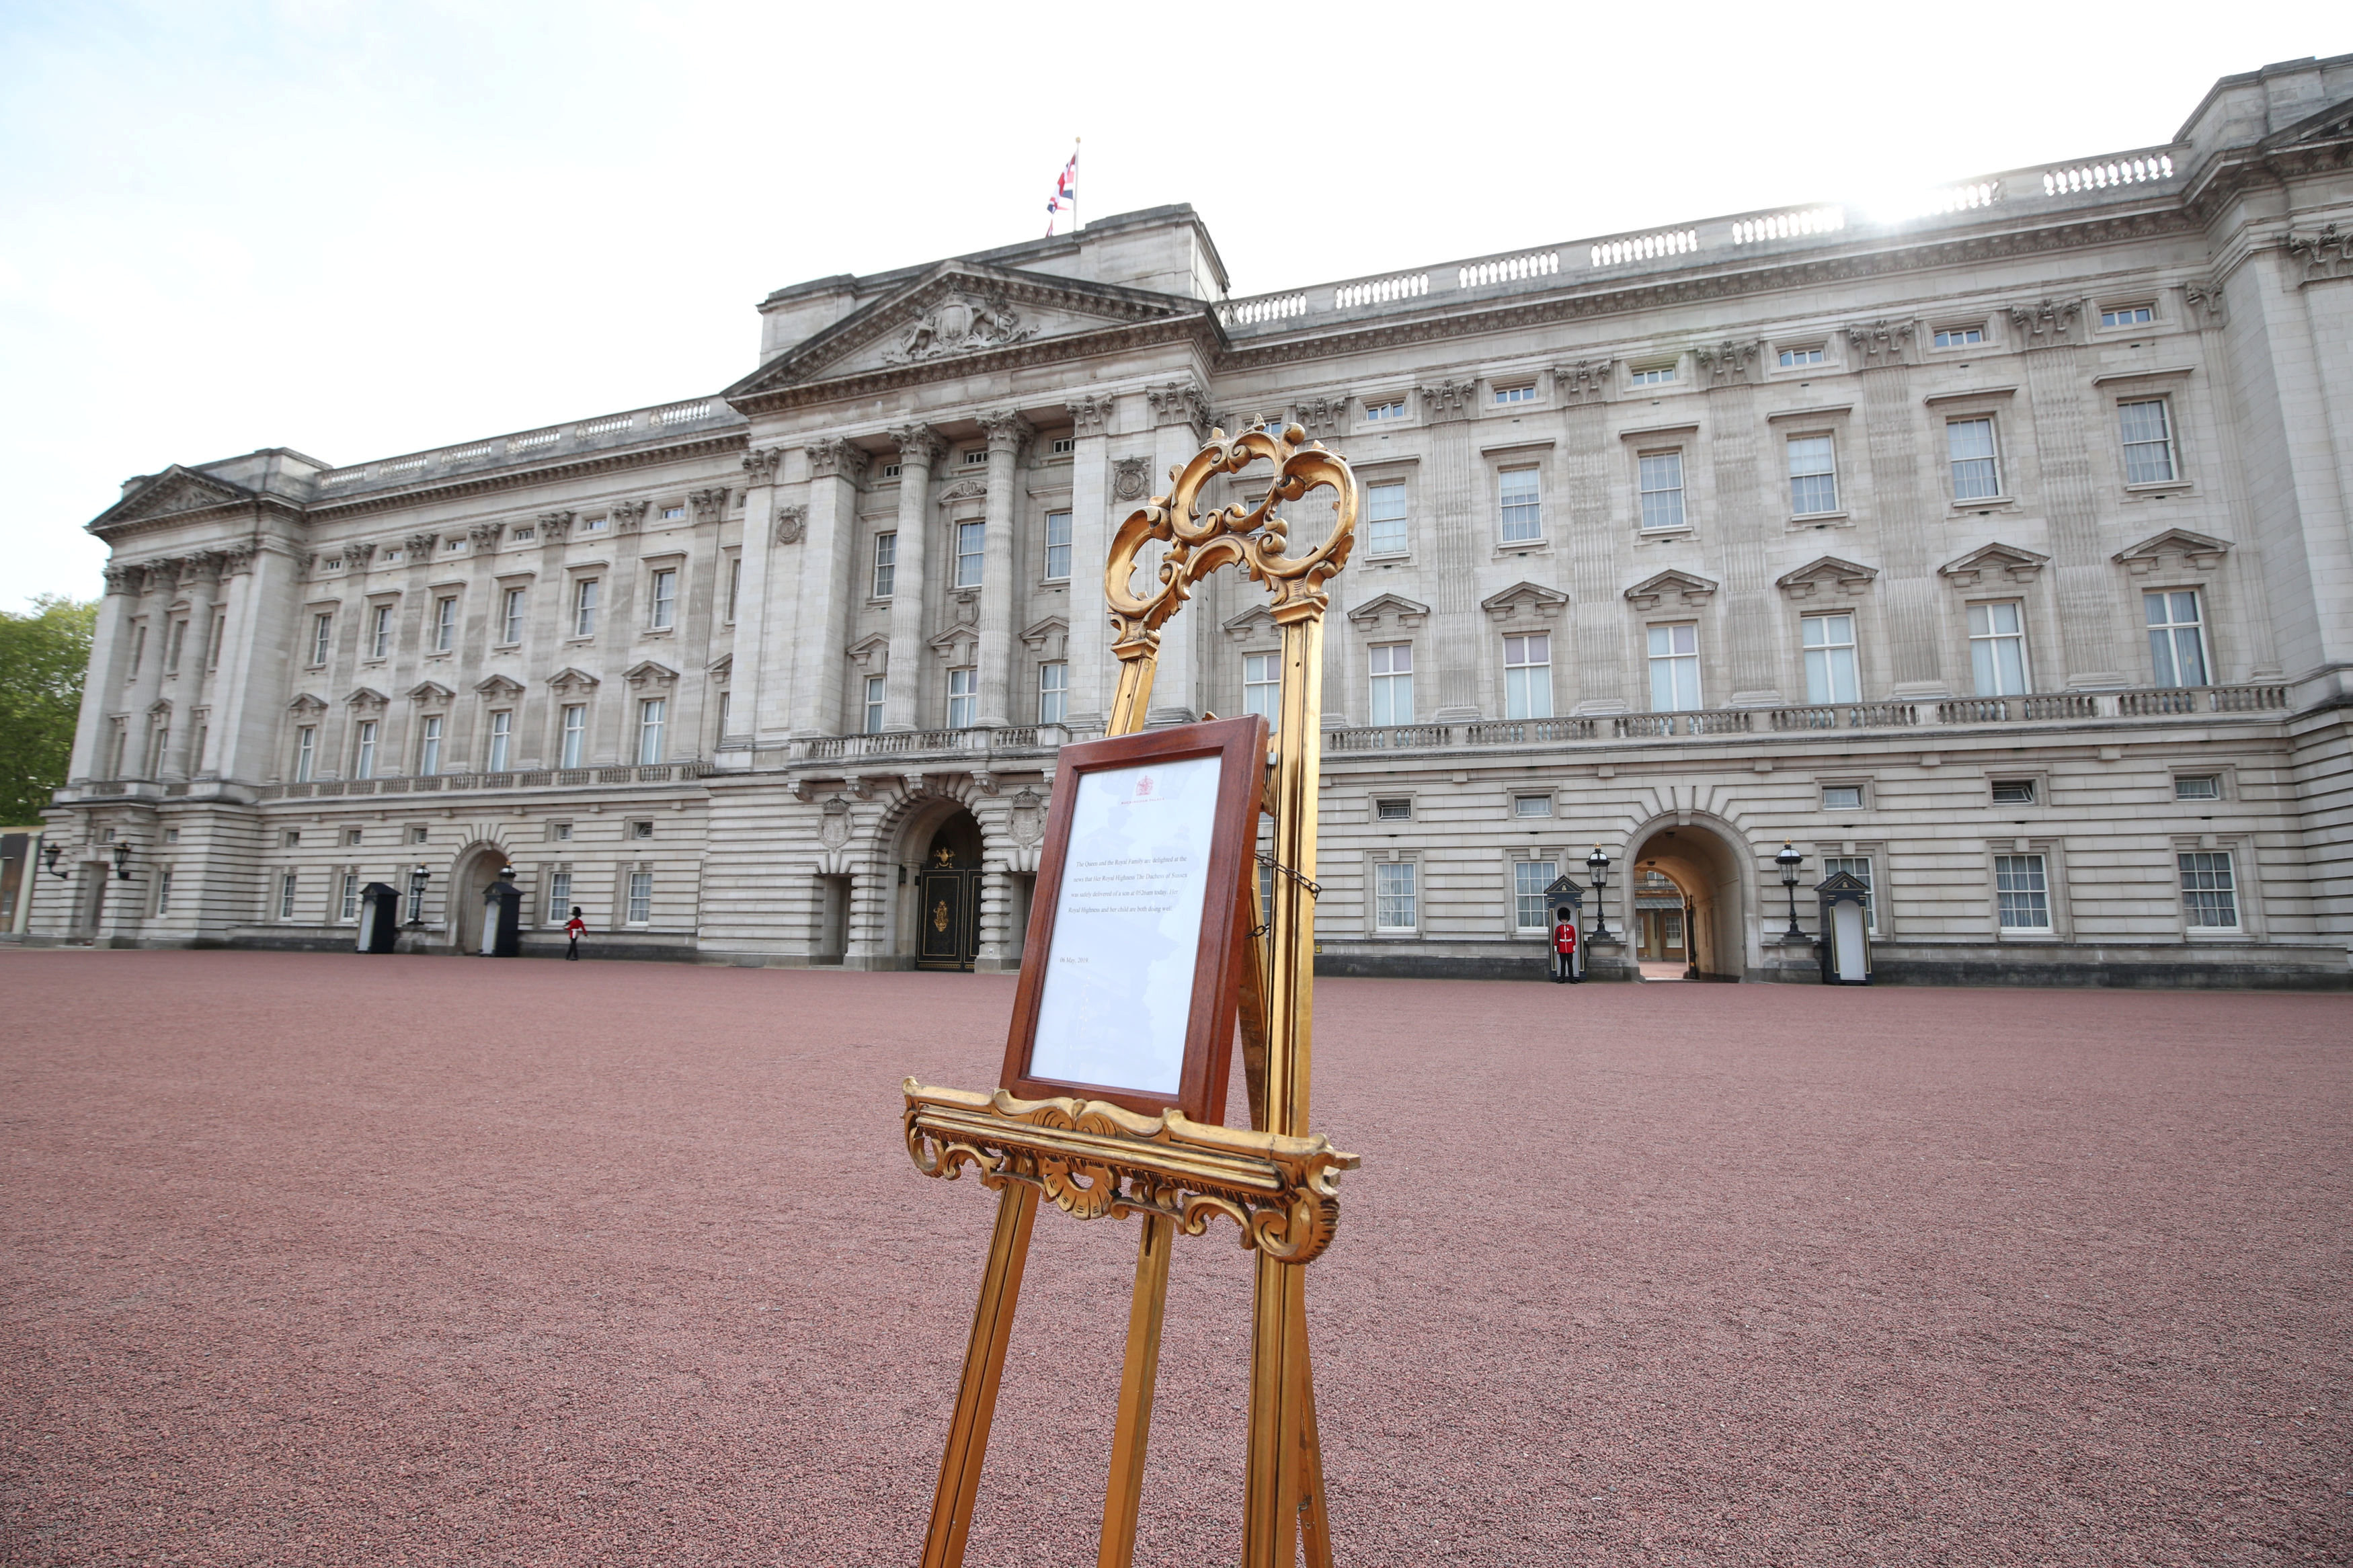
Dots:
pixel 1093 1158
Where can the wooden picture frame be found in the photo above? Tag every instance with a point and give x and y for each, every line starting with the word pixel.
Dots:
pixel 1109 1000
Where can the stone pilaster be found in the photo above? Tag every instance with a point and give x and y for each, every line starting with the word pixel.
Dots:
pixel 749 643
pixel 829 579
pixel 1006 434
pixel 1179 415
pixel 2082 576
pixel 1094 510
pixel 201 579
pixel 919 448
pixel 1901 491
pixel 1595 535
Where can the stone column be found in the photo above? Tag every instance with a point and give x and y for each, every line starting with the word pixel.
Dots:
pixel 110 646
pixel 262 658
pixel 748 647
pixel 1006 433
pixel 828 585
pixel 1753 662
pixel 1181 415
pixel 919 448
pixel 1093 523
pixel 1461 531
pixel 2056 379
pixel 202 576
pixel 1917 624
pixel 147 677
pixel 1596 536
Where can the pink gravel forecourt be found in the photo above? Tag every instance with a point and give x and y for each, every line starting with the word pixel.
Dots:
pixel 327 1259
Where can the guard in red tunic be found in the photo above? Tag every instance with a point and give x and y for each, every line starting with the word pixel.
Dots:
pixel 1564 947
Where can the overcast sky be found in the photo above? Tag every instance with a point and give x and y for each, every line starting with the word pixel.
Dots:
pixel 358 229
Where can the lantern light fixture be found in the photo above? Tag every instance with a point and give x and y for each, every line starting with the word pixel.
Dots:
pixel 1789 859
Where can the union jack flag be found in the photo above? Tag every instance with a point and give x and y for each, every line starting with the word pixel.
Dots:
pixel 1066 192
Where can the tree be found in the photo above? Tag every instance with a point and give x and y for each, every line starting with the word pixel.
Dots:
pixel 44 653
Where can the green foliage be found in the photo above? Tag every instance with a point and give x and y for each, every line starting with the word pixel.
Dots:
pixel 42 654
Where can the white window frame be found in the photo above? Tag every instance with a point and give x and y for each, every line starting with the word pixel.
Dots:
pixel 1053 692
pixel 1991 459
pixel 1543 874
pixel 1796 358
pixel 1959 337
pixel 429 731
pixel 2161 447
pixel 2029 871
pixel 661 599
pixel 379 631
pixel 2182 779
pixel 306 753
pixel 1860 802
pixel 571 744
pixel 1833 669
pixel 971 564
pixel 1527 807
pixel 559 896
pixel 1806 499
pixel 1262 687
pixel 1673 512
pixel 1680 661
pixel 641 907
pixel 1387 513
pixel 445 623
pixel 2166 637
pixel 363 749
pixel 322 633
pixel 2140 313
pixel 287 883
pixel 734 585
pixel 586 593
pixel 1058 546
pixel 1397 891
pixel 1383 410
pixel 884 581
pixel 1388 672
pixel 502 750
pixel 963 697
pixel 1651 375
pixel 511 614
pixel 653 715
pixel 1990 642
pixel 1834 864
pixel 1516 392
pixel 347 905
pixel 1521 508
pixel 877 688
pixel 2222 862
pixel 164 890
pixel 1527 675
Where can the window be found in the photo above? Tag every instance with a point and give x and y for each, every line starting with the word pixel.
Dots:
pixel 1529 881
pixel 306 752
pixel 2127 316
pixel 1385 518
pixel 348 908
pixel 1531 806
pixel 1262 686
pixel 364 755
pixel 2148 442
pixel 322 629
pixel 1829 658
pixel 726 705
pixel 575 735
pixel 975 457
pixel 2197 786
pixel 873 704
pixel 886 564
pixel 1393 810
pixel 651 715
pixel 510 617
pixel 2021 892
pixel 592 525
pixel 380 632
pixel 1794 357
pixel 428 746
pixel 350 836
pixel 1063 447
pixel 1392 676
pixel 734 587
pixel 663 611
pixel 159 738
pixel 197 752
pixel 584 607
pixel 1053 693
pixel 1058 546
pixel 891 470
pixel 286 896
pixel 138 648
pixel 2013 791
pixel 172 647
pixel 524 535
pixel 1959 337
pixel 501 741
pixel 212 639
pixel 445 625
pixel 563 832
pixel 1997 647
pixel 641 898
pixel 1859 868
pixel 1388 408
pixel 2210 895
pixel 1660 481
pixel 1522 509
pixel 163 891
pixel 2176 637
pixel 1394 904
pixel 1523 393
pixel 1970 445
pixel 1653 375
pixel 964 695
pixel 415 901
pixel 674 514
pixel 1674 668
pixel 642 829
pixel 1842 797
pixel 1813 476
pixel 1527 676
pixel 416 834
pixel 970 540
pixel 559 898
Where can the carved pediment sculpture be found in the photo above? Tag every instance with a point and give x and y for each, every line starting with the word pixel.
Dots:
pixel 1524 604
pixel 175 490
pixel 1993 562
pixel 2174 547
pixel 1382 609
pixel 1823 572
pixel 966 321
pixel 1682 588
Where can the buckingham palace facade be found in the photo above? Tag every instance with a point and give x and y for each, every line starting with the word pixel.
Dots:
pixel 1995 551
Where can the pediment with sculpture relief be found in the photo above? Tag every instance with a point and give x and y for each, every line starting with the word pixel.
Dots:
pixel 960 311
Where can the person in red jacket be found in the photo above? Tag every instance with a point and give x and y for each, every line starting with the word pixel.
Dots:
pixel 1564 947
pixel 573 929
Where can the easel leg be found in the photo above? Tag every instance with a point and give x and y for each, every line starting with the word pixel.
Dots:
pixel 1123 1497
pixel 1272 1489
pixel 1314 1522
pixel 984 1364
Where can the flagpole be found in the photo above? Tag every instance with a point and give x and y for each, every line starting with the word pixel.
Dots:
pixel 1074 183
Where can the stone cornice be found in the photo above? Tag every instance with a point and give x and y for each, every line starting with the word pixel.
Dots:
pixel 1199 327
pixel 737 441
pixel 117 533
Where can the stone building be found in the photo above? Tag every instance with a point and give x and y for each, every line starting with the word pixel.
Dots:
pixel 1996 550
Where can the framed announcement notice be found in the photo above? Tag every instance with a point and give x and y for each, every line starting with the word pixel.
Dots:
pixel 1128 980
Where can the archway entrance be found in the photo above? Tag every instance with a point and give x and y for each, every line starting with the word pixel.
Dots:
pixel 947 887
pixel 477 868
pixel 1686 915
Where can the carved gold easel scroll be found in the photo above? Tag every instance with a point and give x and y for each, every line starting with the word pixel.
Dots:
pixel 1276 1182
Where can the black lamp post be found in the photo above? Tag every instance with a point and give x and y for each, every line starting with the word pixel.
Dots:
pixel 1788 859
pixel 416 880
pixel 121 861
pixel 1599 864
pixel 49 855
